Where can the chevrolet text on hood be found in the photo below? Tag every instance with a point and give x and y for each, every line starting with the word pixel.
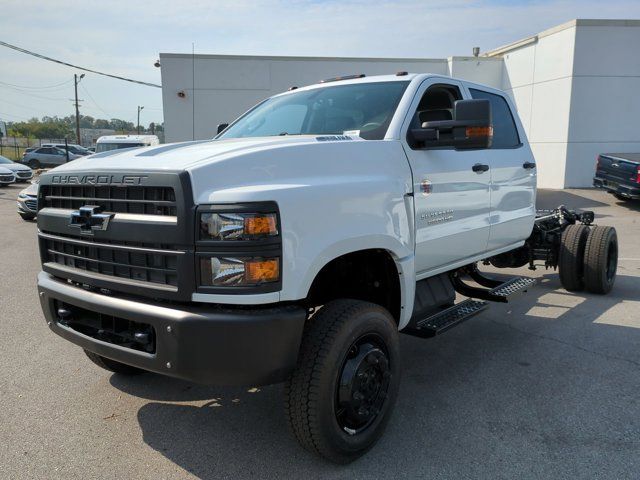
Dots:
pixel 299 243
pixel 98 179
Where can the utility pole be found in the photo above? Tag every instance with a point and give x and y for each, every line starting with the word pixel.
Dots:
pixel 76 81
pixel 139 108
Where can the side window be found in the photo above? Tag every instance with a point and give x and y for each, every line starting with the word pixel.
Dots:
pixel 436 104
pixel 45 150
pixel 505 133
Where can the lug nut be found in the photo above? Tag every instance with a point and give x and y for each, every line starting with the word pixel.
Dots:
pixel 169 329
pixel 168 364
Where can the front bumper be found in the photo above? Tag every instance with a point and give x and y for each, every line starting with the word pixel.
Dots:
pixel 7 179
pixel 628 191
pixel 24 177
pixel 200 343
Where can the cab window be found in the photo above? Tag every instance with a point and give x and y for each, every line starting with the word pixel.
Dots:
pixel 505 133
pixel 435 105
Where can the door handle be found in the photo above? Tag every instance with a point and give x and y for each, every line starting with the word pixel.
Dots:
pixel 528 165
pixel 480 167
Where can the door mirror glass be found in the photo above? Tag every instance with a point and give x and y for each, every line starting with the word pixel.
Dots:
pixel 470 128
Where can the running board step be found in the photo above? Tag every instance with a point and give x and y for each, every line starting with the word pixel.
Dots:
pixel 513 287
pixel 446 319
pixel 496 291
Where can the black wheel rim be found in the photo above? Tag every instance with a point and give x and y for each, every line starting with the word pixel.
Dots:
pixel 612 261
pixel 363 384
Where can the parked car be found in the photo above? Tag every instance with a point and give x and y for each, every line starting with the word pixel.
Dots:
pixel 28 202
pixel 619 174
pixel 73 148
pixel 92 149
pixel 47 157
pixel 23 173
pixel 117 142
pixel 7 177
pixel 299 243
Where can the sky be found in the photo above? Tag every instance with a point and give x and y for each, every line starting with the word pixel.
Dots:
pixel 125 38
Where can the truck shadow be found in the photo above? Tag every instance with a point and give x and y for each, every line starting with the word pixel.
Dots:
pixel 547 199
pixel 509 390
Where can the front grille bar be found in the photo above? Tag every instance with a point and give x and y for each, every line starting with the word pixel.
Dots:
pixel 106 262
pixel 166 203
pixel 75 241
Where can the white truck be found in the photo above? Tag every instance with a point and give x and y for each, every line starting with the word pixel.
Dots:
pixel 297 245
pixel 107 143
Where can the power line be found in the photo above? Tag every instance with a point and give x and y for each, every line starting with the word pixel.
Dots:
pixel 44 57
pixel 14 116
pixel 29 94
pixel 24 87
pixel 94 102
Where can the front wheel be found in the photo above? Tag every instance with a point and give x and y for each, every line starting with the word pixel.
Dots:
pixel 33 164
pixel 340 397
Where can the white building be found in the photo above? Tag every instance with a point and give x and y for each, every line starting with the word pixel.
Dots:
pixel 576 87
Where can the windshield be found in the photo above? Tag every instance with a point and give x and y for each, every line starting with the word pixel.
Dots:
pixel 364 109
pixel 105 147
pixel 4 160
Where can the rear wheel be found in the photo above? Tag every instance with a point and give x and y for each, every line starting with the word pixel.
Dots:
pixel 112 365
pixel 342 392
pixel 601 260
pixel 571 257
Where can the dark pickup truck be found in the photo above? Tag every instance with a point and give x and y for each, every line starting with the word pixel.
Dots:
pixel 619 174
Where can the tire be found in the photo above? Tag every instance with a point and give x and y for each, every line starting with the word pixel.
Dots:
pixel 601 260
pixel 622 197
pixel 571 257
pixel 33 164
pixel 26 217
pixel 349 347
pixel 112 365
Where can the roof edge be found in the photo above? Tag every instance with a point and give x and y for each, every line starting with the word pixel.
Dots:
pixel 294 58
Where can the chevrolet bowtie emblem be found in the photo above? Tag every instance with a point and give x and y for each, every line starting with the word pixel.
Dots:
pixel 88 219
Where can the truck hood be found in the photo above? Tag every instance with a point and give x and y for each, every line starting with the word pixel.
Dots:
pixel 179 156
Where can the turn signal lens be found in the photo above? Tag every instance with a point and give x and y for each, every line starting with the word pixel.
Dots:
pixel 257 271
pixel 473 132
pixel 260 225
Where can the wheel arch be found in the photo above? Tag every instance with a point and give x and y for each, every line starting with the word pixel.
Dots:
pixel 351 273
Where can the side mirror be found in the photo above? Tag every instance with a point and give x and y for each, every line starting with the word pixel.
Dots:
pixel 221 127
pixel 470 128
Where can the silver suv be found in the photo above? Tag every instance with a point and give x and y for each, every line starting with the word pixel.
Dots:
pixel 47 157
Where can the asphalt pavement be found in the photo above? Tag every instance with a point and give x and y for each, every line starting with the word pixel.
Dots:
pixel 544 387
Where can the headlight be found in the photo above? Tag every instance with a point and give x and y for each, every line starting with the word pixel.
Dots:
pixel 237 226
pixel 23 196
pixel 222 271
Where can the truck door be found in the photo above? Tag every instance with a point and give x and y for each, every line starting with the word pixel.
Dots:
pixel 451 187
pixel 513 175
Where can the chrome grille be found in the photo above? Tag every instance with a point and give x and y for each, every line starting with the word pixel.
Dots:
pixel 148 200
pixel 32 204
pixel 24 173
pixel 6 178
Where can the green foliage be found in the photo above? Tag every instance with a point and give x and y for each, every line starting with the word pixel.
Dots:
pixel 61 127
